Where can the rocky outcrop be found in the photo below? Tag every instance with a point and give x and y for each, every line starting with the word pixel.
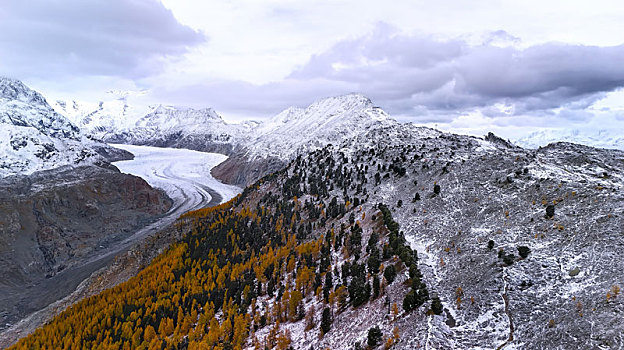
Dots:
pixel 240 171
pixel 53 220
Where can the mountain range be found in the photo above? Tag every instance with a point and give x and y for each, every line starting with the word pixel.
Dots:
pixel 602 138
pixel 265 146
pixel 357 231
pixel 34 137
pixel 258 148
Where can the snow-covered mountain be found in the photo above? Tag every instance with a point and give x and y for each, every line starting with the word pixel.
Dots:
pixel 34 137
pixel 271 144
pixel 605 138
pixel 179 127
pixel 329 120
pixel 103 118
pixel 163 121
pixel 291 131
pixel 276 140
pixel 22 107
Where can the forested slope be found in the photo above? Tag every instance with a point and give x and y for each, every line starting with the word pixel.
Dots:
pixel 404 237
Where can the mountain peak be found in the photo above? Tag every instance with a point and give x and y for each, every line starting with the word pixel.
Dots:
pixel 328 120
pixel 348 101
pixel 182 115
pixel 23 107
pixel 13 89
pixel 33 136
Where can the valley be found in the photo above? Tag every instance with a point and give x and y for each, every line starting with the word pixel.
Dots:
pixel 182 174
pixel 338 227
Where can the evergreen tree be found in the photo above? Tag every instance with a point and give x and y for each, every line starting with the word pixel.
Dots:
pixel 436 189
pixel 326 321
pixel 390 273
pixel 374 337
pixel 327 286
pixel 524 251
pixel 436 305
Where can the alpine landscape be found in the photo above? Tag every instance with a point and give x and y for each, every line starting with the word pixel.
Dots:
pixel 167 183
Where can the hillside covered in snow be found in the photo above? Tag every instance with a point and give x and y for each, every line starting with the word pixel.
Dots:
pixel 34 137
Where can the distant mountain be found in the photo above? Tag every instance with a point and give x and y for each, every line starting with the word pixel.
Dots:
pixel 255 148
pixel 296 131
pixel 34 137
pixel 168 126
pixel 103 118
pixel 604 138
pixel 329 120
pixel 21 106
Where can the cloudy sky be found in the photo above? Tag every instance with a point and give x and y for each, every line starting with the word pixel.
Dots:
pixel 468 66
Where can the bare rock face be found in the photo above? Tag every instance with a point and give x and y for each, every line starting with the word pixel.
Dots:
pixel 53 220
pixel 238 170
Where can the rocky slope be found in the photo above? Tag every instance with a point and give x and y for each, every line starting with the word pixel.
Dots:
pixel 518 248
pixel 562 294
pixel 519 245
pixel 54 220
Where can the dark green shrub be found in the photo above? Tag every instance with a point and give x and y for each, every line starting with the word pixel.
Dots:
pixel 436 305
pixel 509 259
pixel 374 337
pixel 524 251
pixel 390 273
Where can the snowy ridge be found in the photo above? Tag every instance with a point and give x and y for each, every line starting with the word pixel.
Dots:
pixel 329 120
pixel 295 130
pixel 103 118
pixel 166 120
pixel 605 138
pixel 34 137
pixel 180 127
pixel 21 106
pixel 489 192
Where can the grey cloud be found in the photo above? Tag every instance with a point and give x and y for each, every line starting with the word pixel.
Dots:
pixel 405 72
pixel 572 69
pixel 428 80
pixel 250 99
pixel 125 38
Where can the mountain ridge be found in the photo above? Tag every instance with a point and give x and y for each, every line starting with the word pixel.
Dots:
pixel 34 137
pixel 420 238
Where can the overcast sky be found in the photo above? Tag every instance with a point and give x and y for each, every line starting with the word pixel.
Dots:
pixel 469 66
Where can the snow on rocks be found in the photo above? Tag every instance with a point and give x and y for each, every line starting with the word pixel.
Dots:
pixel 34 137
